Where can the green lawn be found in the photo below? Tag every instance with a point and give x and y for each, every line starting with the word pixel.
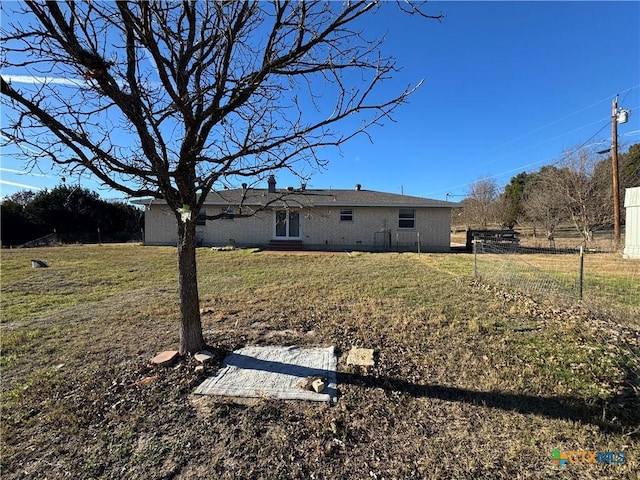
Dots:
pixel 471 381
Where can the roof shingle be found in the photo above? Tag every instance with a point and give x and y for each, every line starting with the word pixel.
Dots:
pixel 322 198
pixel 318 198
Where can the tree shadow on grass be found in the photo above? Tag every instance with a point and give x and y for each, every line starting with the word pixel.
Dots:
pixel 608 415
pixel 560 407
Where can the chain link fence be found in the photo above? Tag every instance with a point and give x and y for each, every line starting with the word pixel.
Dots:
pixel 573 279
pixel 602 281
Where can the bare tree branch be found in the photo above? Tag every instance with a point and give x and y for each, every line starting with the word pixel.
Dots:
pixel 171 99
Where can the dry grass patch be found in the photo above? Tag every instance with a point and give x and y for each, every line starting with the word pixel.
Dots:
pixel 610 285
pixel 470 381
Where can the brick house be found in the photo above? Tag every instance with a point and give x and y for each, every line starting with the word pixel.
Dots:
pixel 311 219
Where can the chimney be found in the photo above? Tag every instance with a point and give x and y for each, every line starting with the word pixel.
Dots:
pixel 358 187
pixel 272 184
pixel 303 186
pixel 244 186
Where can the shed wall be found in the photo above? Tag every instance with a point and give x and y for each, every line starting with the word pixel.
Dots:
pixel 632 229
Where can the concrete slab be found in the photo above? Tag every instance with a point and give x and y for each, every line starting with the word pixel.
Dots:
pixel 274 372
pixel 361 356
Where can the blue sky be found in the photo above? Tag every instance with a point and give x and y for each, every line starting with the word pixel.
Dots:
pixel 508 86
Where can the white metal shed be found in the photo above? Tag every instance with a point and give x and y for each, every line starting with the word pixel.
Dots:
pixel 632 231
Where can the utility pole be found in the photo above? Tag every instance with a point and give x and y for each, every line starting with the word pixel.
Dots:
pixel 614 168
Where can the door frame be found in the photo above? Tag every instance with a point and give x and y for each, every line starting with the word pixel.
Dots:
pixel 287 224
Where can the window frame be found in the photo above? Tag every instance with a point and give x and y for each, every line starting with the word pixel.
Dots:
pixel 404 218
pixel 228 213
pixel 346 217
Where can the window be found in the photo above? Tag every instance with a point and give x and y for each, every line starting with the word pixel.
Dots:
pixel 227 213
pixel 346 215
pixel 201 219
pixel 406 218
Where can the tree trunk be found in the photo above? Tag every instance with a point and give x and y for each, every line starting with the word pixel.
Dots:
pixel 191 339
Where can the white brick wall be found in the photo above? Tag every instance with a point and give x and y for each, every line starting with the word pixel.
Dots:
pixel 160 226
pixel 256 230
pixel 320 228
pixel 324 227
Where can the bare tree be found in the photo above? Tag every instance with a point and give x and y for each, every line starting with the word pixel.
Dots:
pixel 172 99
pixel 572 191
pixel 542 203
pixel 481 204
pixel 587 199
pixel 629 173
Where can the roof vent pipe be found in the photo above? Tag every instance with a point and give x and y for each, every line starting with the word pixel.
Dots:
pixel 358 187
pixel 272 184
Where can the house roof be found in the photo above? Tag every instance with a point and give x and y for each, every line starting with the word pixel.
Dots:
pixel 316 198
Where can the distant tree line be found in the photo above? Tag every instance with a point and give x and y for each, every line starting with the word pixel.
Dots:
pixel 75 214
pixel 575 190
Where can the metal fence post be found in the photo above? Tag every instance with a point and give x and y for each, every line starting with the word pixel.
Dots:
pixel 581 272
pixel 475 256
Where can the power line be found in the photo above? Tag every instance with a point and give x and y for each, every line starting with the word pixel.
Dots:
pixel 564 156
pixel 524 167
pixel 544 141
pixel 626 92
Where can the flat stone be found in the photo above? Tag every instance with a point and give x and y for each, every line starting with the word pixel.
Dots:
pixel 165 358
pixel 361 356
pixel 203 356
